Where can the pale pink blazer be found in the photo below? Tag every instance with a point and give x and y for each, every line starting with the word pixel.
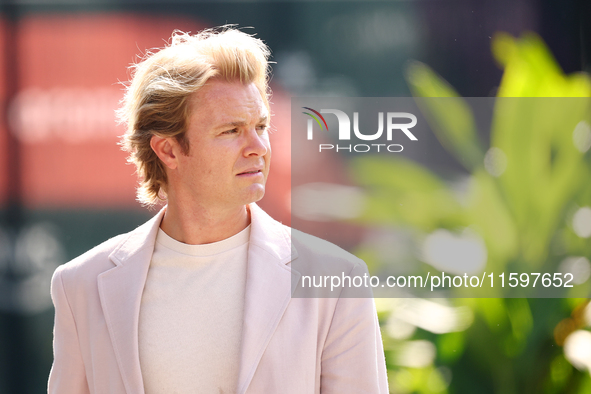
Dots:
pixel 289 345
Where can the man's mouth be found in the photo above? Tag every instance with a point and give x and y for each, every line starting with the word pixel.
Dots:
pixel 250 172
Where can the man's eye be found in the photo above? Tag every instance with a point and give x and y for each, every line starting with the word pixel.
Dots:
pixel 232 131
pixel 262 127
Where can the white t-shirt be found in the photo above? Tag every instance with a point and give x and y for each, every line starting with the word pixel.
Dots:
pixel 190 323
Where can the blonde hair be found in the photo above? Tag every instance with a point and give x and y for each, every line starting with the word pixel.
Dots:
pixel 156 101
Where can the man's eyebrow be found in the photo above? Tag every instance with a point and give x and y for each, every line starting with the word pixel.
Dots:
pixel 263 119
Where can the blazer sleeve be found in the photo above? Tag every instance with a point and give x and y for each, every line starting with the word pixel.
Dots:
pixel 67 374
pixel 353 356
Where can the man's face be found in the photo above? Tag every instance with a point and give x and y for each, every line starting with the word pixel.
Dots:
pixel 230 153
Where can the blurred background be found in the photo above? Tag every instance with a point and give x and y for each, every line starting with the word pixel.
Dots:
pixel 65 186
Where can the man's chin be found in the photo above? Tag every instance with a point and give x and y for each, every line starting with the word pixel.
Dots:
pixel 256 193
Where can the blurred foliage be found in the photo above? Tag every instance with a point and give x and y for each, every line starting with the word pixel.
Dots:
pixel 522 193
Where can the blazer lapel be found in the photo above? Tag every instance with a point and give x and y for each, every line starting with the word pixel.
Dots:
pixel 268 292
pixel 120 291
pixel 268 289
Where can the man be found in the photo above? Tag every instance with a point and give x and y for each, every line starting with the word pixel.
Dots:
pixel 198 299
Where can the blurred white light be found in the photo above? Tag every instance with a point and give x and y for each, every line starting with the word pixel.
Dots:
pixel 582 136
pixel 37 254
pixel 385 304
pixel 71 114
pixel 416 354
pixel 399 329
pixel 582 222
pixel 38 247
pixel 495 161
pixel 458 254
pixel 578 266
pixel 587 315
pixel 326 202
pixel 577 349
pixel 432 316
pixel 295 70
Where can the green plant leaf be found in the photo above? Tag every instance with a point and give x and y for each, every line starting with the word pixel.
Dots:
pixel 450 117
pixel 403 192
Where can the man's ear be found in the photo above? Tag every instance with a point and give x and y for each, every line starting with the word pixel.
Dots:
pixel 164 149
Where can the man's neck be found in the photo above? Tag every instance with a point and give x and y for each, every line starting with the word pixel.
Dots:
pixel 202 226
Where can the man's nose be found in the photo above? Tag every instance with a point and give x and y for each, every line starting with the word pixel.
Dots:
pixel 257 144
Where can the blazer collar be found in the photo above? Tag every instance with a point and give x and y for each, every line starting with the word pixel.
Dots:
pixel 269 281
pixel 120 291
pixel 268 289
pixel 270 235
pixel 265 232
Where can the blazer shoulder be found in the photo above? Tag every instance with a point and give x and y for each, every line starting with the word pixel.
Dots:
pixel 321 252
pixel 326 270
pixel 92 262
